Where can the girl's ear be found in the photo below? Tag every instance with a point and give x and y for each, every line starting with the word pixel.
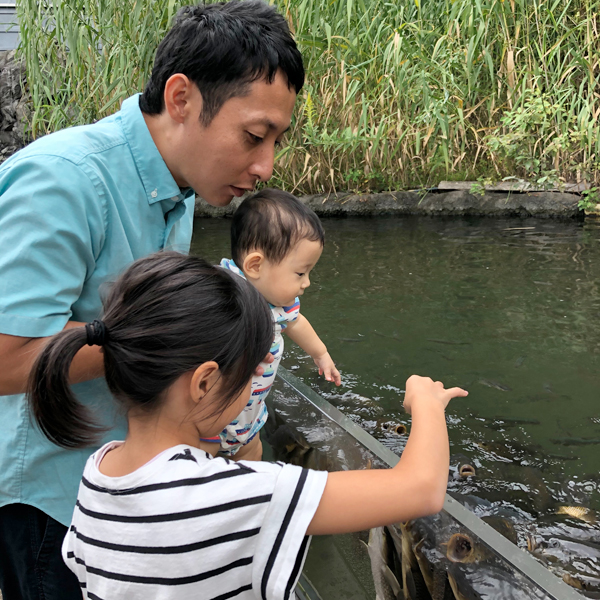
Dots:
pixel 203 379
pixel 252 265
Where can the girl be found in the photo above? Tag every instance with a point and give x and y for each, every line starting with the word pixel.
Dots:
pixel 157 516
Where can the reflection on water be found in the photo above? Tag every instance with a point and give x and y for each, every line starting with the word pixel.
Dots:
pixel 508 309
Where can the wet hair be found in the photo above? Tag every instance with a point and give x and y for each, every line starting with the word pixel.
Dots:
pixel 223 48
pixel 272 222
pixel 165 316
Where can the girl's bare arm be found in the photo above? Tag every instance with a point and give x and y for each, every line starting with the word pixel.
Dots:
pixel 416 486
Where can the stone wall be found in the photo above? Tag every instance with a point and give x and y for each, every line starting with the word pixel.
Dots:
pixel 14 105
pixel 557 205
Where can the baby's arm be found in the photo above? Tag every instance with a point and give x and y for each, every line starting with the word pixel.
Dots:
pixel 415 487
pixel 302 332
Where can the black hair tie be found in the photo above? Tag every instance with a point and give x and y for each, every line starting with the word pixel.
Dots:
pixel 96 332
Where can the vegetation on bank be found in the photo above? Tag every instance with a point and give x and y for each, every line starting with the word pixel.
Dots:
pixel 399 94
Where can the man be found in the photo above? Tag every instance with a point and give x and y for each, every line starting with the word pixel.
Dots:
pixel 77 206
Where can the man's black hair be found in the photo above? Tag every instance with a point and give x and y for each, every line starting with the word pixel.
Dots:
pixel 223 48
pixel 272 222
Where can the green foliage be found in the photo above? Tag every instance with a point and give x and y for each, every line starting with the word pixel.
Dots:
pixel 589 199
pixel 535 135
pixel 398 94
pixel 478 187
pixel 84 57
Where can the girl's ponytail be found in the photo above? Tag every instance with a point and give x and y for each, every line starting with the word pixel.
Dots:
pixel 165 315
pixel 62 418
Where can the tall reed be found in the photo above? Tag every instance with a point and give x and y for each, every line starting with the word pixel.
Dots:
pixel 398 94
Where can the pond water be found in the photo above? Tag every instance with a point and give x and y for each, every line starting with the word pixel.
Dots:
pixel 508 309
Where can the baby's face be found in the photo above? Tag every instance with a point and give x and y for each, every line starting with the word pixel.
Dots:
pixel 280 283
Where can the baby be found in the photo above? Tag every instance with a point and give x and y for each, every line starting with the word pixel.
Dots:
pixel 275 243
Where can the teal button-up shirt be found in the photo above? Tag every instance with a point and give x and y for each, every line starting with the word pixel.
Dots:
pixel 76 207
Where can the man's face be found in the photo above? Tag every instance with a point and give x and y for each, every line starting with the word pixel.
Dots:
pixel 237 149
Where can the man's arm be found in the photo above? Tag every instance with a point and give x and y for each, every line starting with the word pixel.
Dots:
pixel 18 355
pixel 53 226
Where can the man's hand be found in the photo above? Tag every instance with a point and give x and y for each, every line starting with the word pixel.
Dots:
pixel 327 368
pixel 269 358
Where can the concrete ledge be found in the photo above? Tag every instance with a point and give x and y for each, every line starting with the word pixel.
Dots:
pixel 558 205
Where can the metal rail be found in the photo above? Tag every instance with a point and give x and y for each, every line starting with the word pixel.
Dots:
pixel 305 590
pixel 513 555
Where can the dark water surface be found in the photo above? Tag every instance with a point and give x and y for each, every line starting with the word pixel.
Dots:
pixel 508 309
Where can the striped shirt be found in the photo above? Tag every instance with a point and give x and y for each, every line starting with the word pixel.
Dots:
pixel 186 525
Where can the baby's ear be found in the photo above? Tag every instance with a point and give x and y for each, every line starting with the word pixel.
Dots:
pixel 252 264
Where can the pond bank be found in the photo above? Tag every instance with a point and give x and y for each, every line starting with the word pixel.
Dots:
pixel 551 205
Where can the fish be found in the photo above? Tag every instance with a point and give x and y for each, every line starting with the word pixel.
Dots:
pixel 589 585
pixel 287 440
pixel 466 471
pixel 575 441
pixel 413 581
pixel 454 587
pixel 291 446
pixel 441 588
pixel 391 337
pixel 386 583
pixel 343 339
pixel 434 576
pixel 449 342
pixel 503 526
pixel 577 512
pixel 517 421
pixel 461 548
pixel 572 581
pixel 494 384
pixel 519 362
pixel 398 428
pixel 562 457
pixel 532 542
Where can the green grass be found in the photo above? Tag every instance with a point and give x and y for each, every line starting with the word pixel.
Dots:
pixel 399 94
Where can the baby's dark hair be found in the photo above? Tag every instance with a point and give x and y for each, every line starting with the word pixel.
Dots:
pixel 165 316
pixel 272 222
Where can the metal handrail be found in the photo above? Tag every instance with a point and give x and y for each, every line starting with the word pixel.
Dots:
pixel 504 548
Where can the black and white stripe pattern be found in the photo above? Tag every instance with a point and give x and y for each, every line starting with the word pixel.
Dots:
pixel 196 528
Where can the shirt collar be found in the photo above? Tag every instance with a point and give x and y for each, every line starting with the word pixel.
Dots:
pixel 227 263
pixel 156 177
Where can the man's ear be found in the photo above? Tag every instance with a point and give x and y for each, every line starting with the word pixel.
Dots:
pixel 182 98
pixel 203 379
pixel 253 264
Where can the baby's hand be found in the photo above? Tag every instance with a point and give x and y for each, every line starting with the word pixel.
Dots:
pixel 327 368
pixel 424 389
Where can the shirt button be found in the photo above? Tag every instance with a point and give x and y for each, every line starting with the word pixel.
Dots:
pixel 154 193
pixel 175 198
